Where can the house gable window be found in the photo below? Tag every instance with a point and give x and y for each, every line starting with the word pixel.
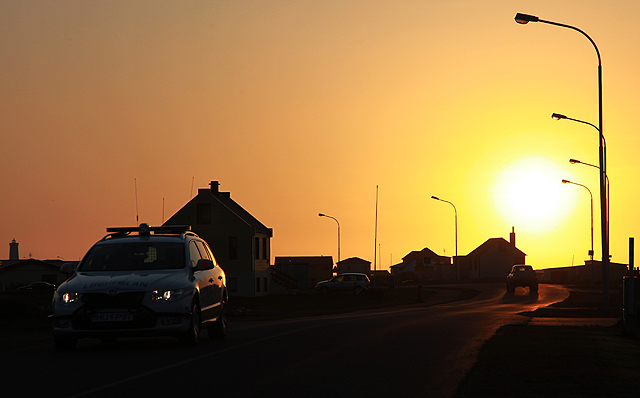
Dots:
pixel 257 248
pixel 264 248
pixel 203 214
pixel 233 248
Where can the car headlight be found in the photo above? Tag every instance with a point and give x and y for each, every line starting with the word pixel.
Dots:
pixel 166 295
pixel 68 298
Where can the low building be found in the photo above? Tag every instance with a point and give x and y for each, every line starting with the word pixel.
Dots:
pixel 589 273
pixel 16 273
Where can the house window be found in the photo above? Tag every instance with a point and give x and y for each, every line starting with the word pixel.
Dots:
pixel 232 284
pixel 258 285
pixel 257 248
pixel 264 280
pixel 233 248
pixel 203 214
pixel 264 248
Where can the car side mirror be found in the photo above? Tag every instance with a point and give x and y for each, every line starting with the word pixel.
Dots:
pixel 204 264
pixel 68 268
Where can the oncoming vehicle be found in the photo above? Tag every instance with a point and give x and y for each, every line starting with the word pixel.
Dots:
pixel 344 283
pixel 142 281
pixel 522 275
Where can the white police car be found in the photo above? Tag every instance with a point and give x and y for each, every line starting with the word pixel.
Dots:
pixel 140 281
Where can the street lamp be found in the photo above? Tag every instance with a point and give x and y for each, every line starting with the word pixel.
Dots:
pixel 455 211
pixel 590 194
pixel 524 19
pixel 324 215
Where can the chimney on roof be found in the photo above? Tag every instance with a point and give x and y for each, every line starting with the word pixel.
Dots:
pixel 214 187
pixel 13 250
pixel 512 236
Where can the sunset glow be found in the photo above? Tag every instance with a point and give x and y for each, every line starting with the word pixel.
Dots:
pixel 301 107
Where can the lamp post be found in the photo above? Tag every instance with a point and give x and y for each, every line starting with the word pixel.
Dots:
pixel 591 195
pixel 524 19
pixel 336 220
pixel 455 211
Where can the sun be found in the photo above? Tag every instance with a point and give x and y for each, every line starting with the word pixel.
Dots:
pixel 530 193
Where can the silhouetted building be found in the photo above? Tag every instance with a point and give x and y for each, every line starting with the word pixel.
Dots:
pixel 13 250
pixel 422 266
pixel 241 243
pixel 354 265
pixel 492 259
pixel 303 271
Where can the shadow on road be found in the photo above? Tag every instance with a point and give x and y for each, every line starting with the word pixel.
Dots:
pixel 524 297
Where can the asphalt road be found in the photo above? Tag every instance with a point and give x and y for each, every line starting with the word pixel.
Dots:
pixel 413 351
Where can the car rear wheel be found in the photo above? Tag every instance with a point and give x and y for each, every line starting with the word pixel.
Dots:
pixel 219 330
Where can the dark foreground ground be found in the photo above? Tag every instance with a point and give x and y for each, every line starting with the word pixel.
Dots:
pixel 529 360
pixel 526 360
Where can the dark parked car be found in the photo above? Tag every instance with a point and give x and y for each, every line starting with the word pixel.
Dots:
pixel 39 286
pixel 344 283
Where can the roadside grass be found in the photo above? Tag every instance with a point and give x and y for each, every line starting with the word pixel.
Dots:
pixel 550 361
pixel 24 313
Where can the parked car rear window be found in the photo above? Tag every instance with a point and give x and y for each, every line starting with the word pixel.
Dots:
pixel 134 257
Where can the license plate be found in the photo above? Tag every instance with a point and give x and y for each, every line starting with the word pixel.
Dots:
pixel 112 317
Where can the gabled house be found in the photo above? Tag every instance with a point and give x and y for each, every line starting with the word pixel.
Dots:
pixel 302 272
pixel 354 265
pixel 422 266
pixel 492 259
pixel 241 243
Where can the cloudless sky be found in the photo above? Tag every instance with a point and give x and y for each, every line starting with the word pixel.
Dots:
pixel 301 107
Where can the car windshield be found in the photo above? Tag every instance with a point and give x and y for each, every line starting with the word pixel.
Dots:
pixel 137 256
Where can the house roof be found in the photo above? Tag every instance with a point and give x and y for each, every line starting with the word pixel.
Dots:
pixel 224 198
pixel 354 260
pixel 305 260
pixel 492 245
pixel 6 264
pixel 426 252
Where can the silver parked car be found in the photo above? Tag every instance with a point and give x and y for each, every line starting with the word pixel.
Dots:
pixel 142 281
pixel 344 283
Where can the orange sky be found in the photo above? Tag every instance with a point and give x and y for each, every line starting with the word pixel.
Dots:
pixel 301 107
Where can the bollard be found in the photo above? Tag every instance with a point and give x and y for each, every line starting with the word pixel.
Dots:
pixel 629 294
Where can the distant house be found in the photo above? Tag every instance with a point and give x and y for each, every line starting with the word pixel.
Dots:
pixel 492 259
pixel 16 273
pixel 422 266
pixel 303 271
pixel 354 264
pixel 241 243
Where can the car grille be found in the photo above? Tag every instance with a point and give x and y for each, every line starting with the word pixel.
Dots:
pixel 125 299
